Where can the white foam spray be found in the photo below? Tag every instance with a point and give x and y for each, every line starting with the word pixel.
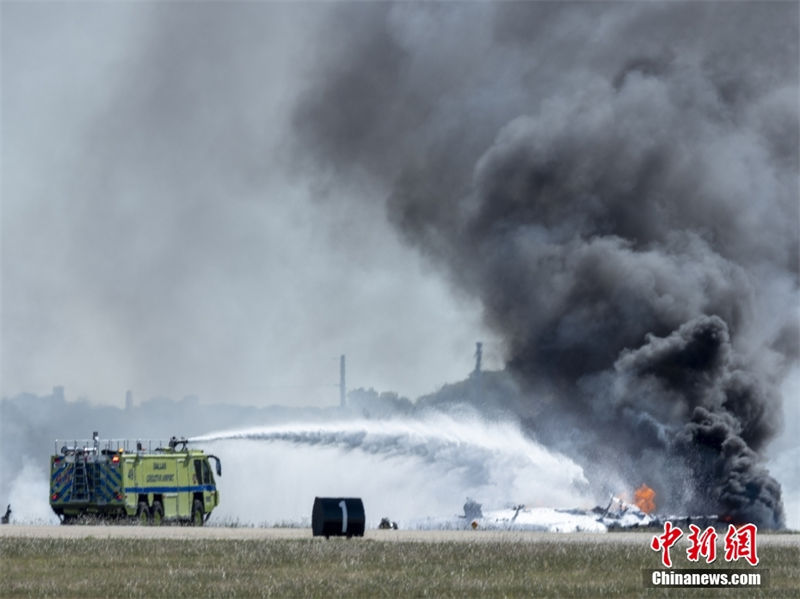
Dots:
pixel 404 469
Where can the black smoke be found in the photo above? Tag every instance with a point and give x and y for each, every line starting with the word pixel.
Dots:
pixel 616 183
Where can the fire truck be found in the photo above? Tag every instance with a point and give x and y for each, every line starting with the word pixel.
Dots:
pixel 133 481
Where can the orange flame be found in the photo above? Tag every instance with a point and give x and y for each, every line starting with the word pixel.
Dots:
pixel 645 499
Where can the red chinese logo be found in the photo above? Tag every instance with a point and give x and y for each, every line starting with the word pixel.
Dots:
pixel 704 544
pixel 739 543
pixel 664 542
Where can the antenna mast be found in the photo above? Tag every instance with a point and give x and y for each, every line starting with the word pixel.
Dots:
pixel 342 386
pixel 478 356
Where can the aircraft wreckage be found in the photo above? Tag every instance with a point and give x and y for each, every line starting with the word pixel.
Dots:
pixel 617 515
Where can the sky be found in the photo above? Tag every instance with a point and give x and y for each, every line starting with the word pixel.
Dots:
pixel 158 235
pixel 220 199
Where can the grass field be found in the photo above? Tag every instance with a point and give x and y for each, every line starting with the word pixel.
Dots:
pixel 90 567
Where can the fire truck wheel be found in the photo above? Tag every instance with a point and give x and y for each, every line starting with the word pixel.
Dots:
pixel 143 513
pixel 157 513
pixel 197 513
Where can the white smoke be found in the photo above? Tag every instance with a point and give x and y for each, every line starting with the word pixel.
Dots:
pixel 403 469
pixel 28 496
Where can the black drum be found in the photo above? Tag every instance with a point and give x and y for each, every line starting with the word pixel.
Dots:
pixel 338 516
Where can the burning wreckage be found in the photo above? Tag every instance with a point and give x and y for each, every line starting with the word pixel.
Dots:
pixel 617 515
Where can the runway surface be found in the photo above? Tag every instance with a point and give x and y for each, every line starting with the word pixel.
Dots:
pixel 431 536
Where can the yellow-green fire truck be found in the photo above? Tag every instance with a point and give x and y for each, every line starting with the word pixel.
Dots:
pixel 123 480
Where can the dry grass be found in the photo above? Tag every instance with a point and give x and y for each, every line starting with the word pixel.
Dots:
pixel 347 568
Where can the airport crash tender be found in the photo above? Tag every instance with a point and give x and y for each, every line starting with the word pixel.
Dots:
pixel 122 480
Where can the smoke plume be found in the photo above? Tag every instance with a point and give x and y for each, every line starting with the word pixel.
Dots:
pixel 616 183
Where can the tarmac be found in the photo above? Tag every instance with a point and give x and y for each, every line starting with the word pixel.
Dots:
pixel 417 536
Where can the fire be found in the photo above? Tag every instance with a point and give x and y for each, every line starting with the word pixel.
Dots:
pixel 644 498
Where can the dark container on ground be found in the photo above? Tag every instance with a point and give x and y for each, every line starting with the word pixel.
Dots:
pixel 338 516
